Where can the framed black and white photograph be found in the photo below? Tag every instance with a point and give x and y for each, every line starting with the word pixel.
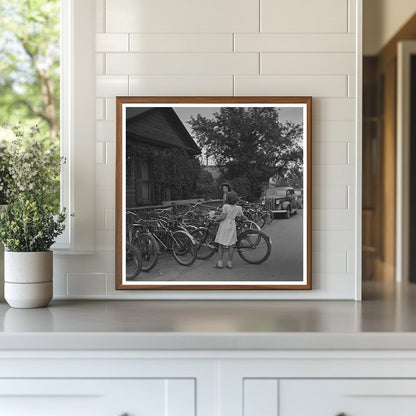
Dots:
pixel 213 193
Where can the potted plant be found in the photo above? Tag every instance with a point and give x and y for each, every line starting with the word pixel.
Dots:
pixel 32 220
pixel 28 229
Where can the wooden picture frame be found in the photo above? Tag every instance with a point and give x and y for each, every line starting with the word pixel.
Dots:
pixel 172 153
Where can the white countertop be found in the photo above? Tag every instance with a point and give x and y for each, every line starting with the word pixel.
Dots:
pixel 385 319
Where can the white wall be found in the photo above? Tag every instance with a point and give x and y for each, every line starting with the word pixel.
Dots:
pixel 233 47
pixel 381 20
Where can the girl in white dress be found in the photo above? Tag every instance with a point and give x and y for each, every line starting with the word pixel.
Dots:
pixel 227 230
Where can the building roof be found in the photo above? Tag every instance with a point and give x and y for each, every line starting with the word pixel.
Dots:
pixel 159 126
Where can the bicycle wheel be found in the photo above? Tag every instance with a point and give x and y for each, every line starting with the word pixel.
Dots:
pixel 183 248
pixel 133 261
pixel 254 246
pixel 205 240
pixel 149 249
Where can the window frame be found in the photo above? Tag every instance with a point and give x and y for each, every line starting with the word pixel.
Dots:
pixel 78 100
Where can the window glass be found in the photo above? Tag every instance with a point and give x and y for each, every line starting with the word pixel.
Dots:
pixel 30 71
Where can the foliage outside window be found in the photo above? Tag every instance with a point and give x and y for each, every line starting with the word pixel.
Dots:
pixel 29 76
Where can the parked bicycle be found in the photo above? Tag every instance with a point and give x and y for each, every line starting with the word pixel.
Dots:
pixel 257 212
pixel 133 261
pixel 253 245
pixel 153 236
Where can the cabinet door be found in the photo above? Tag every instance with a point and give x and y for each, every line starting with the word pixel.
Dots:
pixel 347 397
pixel 86 397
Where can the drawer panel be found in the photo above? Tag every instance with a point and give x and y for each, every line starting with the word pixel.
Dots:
pixel 86 397
pixel 349 397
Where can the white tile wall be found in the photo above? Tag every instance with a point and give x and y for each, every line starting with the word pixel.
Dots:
pixel 105 131
pixel 100 153
pixel 181 63
pixel 110 153
pixel 181 85
pixel 174 42
pixel 352 16
pixel 330 196
pixel 314 85
pixel 333 175
pixel 333 130
pixel 332 220
pixel 334 109
pixel 105 175
pixel 300 16
pixel 112 42
pixel 99 109
pixel 283 42
pixel 330 153
pixel 334 262
pixel 351 86
pixel 100 64
pixel 100 15
pixel 111 86
pixel 310 63
pixel 86 284
pixel 328 241
pixel 232 47
pixel 182 16
pixel 110 109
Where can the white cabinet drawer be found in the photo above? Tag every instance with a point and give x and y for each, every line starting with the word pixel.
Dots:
pixel 86 397
pixel 349 397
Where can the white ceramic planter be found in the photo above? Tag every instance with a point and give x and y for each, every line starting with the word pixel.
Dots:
pixel 28 279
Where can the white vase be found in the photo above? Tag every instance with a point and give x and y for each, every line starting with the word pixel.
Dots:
pixel 28 279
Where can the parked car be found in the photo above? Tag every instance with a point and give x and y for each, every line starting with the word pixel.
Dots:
pixel 299 198
pixel 281 201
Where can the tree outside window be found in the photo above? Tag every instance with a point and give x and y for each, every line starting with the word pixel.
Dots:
pixel 30 68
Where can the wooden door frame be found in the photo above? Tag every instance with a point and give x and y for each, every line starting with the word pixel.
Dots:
pixel 404 50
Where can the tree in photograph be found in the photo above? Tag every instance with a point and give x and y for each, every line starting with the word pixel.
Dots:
pixel 29 63
pixel 206 186
pixel 250 143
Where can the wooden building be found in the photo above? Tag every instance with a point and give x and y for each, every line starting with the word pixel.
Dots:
pixel 155 139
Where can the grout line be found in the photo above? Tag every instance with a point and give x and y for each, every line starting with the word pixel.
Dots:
pixel 260 64
pixel 348 16
pixel 348 153
pixel 233 84
pixel 233 42
pixel 348 197
pixel 347 94
pixel 260 20
pixel 104 16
